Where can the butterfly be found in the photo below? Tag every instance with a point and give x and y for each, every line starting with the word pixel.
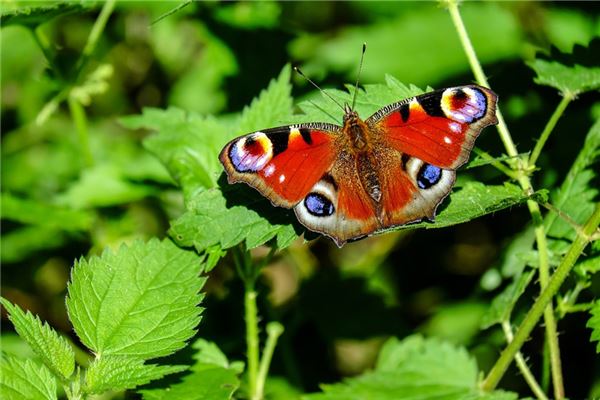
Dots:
pixel 351 181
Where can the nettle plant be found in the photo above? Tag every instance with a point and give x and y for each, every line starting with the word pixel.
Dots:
pixel 133 307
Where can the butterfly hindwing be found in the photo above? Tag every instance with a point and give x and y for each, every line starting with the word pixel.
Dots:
pixel 438 127
pixel 282 163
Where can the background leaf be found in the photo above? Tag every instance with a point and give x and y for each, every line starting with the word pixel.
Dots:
pixel 571 74
pixel 414 368
pixel 594 324
pixel 140 301
pixel 54 350
pixel 25 379
pixel 578 194
pixel 212 377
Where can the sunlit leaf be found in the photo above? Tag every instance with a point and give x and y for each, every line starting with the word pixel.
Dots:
pixel 570 74
pixel 123 372
pixel 25 379
pixel 53 349
pixel 140 301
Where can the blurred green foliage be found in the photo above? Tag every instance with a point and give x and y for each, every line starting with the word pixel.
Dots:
pixel 120 144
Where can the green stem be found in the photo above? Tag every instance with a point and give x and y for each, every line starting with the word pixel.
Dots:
pixel 251 339
pixel 80 119
pixel 525 371
pixel 560 109
pixel 536 311
pixel 95 33
pixel 522 167
pixel 274 330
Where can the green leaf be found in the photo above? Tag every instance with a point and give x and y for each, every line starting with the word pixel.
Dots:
pixel 594 324
pixel 198 77
pixel 578 194
pixel 187 144
pixel 503 304
pixel 21 243
pixel 25 379
pixel 457 323
pixel 212 377
pixel 123 372
pixel 33 212
pixel 35 15
pixel 339 53
pixel 251 15
pixel 232 215
pixel 271 108
pixel 573 74
pixel 471 201
pixel 101 186
pixel 414 368
pixel 53 349
pixel 140 301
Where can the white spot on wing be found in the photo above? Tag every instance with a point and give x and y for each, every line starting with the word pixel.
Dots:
pixel 269 170
pixel 454 127
pixel 281 178
pixel 447 140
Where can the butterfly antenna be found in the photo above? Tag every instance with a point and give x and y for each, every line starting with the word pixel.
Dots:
pixel 317 86
pixel 362 57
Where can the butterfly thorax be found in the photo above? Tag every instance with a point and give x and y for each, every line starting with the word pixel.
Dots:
pixel 356 130
pixel 361 146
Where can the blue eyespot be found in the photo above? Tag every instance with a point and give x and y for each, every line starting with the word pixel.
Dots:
pixel 318 205
pixel 428 176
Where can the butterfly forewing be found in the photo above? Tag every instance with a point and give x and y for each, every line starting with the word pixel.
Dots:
pixel 439 127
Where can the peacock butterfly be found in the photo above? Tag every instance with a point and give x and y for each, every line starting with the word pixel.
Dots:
pixel 353 180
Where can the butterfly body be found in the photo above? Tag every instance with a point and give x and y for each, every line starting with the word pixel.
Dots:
pixel 350 181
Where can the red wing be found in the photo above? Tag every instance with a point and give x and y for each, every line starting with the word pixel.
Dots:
pixel 439 127
pixel 411 189
pixel 282 163
pixel 338 206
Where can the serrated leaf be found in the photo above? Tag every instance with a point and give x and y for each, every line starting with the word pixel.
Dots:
pixel 212 377
pixel 577 196
pixel 573 74
pixel 594 324
pixel 33 16
pixel 25 379
pixel 187 144
pixel 271 107
pixel 414 368
pixel 53 349
pixel 217 217
pixel 123 372
pixel 33 212
pixel 503 304
pixel 140 301
pixel 471 201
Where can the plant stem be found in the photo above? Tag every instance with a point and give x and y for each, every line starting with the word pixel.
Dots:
pixel 536 311
pixel 251 339
pixel 560 109
pixel 525 371
pixel 522 167
pixel 80 119
pixel 274 330
pixel 94 36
